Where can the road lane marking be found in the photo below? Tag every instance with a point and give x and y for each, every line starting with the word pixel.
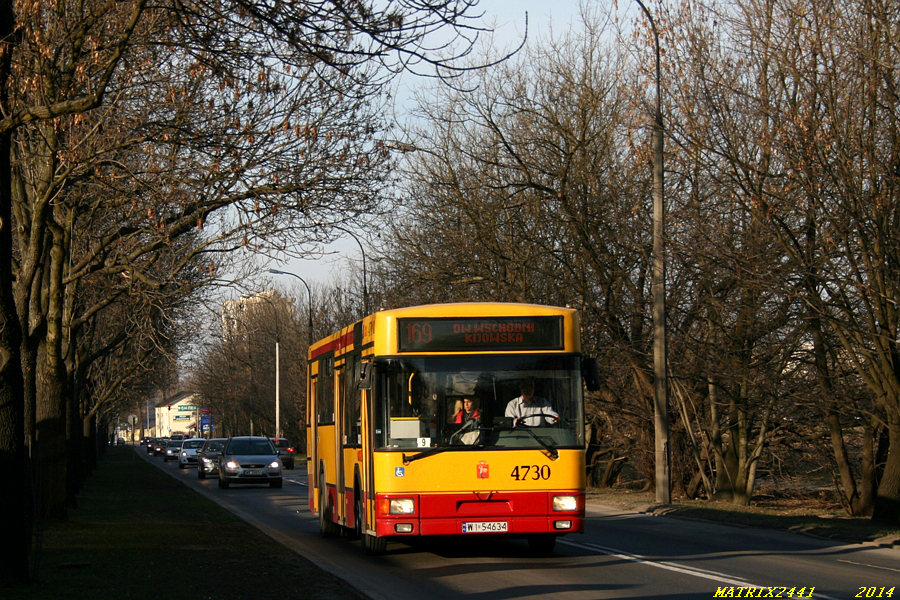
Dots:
pixel 711 575
pixel 850 562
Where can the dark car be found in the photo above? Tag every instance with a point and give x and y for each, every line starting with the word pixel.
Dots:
pixel 159 446
pixel 285 452
pixel 208 457
pixel 173 449
pixel 150 443
pixel 249 459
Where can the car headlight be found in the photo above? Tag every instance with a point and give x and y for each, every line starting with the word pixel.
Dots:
pixel 274 465
pixel 206 460
pixel 184 454
pixel 232 464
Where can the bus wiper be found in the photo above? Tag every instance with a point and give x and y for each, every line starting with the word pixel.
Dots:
pixel 423 454
pixel 551 449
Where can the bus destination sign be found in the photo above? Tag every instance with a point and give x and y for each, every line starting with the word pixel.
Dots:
pixel 477 334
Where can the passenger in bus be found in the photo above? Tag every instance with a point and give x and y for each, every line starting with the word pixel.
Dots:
pixel 467 412
pixel 529 409
pixel 457 408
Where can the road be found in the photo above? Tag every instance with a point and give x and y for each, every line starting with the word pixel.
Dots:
pixel 621 555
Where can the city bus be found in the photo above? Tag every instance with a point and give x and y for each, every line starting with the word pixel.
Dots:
pixel 390 456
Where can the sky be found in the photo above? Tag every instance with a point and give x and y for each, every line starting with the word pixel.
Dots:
pixel 510 18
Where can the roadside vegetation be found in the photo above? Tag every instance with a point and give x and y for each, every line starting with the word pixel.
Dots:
pixel 153 153
pixel 138 533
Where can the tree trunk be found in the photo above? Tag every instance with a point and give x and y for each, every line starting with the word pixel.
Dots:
pixel 16 505
pixel 887 501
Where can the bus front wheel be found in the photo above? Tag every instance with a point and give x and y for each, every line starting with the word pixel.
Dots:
pixel 373 545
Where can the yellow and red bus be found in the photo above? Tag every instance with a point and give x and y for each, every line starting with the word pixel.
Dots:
pixel 387 459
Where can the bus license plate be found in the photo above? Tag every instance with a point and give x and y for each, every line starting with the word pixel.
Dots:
pixel 485 527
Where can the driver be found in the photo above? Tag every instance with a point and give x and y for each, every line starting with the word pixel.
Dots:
pixel 529 409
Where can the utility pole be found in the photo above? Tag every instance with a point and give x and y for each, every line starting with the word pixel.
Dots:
pixel 660 377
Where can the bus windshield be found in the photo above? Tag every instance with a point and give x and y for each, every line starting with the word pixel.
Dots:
pixel 466 402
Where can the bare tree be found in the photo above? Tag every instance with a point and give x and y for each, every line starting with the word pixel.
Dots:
pixel 190 116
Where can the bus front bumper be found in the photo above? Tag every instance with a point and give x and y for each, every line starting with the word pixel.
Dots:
pixel 493 513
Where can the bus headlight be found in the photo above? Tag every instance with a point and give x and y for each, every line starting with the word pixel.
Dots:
pixel 565 503
pixel 399 506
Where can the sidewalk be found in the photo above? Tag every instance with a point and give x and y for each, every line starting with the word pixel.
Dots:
pixel 140 534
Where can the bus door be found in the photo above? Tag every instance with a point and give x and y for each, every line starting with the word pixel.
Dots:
pixel 351 436
pixel 339 387
pixel 363 382
pixel 312 442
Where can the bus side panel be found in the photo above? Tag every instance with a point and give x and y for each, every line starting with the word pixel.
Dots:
pixel 351 467
pixel 328 461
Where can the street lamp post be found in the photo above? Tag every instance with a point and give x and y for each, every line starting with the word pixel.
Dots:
pixel 309 321
pixel 363 252
pixel 277 387
pixel 309 332
pixel 660 379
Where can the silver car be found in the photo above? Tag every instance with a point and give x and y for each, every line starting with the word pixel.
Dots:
pixel 208 457
pixel 249 459
pixel 173 449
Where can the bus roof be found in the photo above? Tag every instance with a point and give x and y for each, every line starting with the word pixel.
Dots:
pixel 485 327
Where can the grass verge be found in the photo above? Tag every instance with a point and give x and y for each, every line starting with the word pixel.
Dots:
pixel 139 533
pixel 807 517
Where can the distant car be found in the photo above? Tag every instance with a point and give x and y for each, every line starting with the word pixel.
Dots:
pixel 178 436
pixel 120 441
pixel 159 446
pixel 208 457
pixel 285 452
pixel 173 449
pixel 145 440
pixel 188 454
pixel 248 459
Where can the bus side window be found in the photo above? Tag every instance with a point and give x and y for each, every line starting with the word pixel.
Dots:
pixel 325 408
pixel 352 404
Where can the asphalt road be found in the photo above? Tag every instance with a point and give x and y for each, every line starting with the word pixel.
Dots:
pixel 621 555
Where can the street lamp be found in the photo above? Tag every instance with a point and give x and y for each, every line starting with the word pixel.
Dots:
pixel 660 379
pixel 362 250
pixel 309 322
pixel 277 358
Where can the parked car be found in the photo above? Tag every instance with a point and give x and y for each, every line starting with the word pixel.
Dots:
pixel 208 457
pixel 285 452
pixel 188 454
pixel 173 449
pixel 248 459
pixel 159 446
